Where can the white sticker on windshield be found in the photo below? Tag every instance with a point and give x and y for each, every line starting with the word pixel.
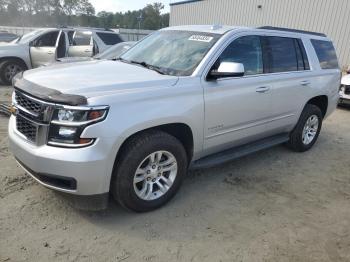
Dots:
pixel 201 38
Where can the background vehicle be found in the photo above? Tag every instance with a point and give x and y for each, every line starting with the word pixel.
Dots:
pixel 345 91
pixel 44 46
pixel 7 37
pixel 111 53
pixel 188 96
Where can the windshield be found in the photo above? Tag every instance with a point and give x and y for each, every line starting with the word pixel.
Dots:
pixel 172 52
pixel 114 51
pixel 27 37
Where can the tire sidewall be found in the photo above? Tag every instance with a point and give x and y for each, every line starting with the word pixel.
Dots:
pixel 123 183
pixel 310 110
pixel 5 64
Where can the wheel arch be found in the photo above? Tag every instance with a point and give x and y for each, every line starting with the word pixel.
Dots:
pixel 321 102
pixel 16 58
pixel 181 131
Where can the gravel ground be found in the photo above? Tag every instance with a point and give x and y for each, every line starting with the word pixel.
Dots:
pixel 274 205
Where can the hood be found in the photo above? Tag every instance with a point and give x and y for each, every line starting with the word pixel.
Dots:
pixel 345 80
pixel 95 78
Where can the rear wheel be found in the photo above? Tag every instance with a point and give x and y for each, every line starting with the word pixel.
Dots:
pixel 307 130
pixel 8 69
pixel 149 172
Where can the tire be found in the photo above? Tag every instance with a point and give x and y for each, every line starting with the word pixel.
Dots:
pixel 9 68
pixel 300 143
pixel 137 155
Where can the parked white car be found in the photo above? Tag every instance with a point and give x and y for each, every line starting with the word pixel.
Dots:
pixel 345 90
pixel 111 53
pixel 44 46
pixel 188 96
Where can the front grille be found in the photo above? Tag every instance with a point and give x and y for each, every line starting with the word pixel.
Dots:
pixel 33 117
pixel 347 90
pixel 30 105
pixel 27 128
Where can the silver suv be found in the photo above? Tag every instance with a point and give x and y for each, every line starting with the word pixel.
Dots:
pixel 44 46
pixel 184 97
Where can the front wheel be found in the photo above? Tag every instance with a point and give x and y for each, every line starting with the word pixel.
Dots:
pixel 307 130
pixel 149 171
pixel 8 69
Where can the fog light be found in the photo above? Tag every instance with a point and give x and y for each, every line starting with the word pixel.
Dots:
pixel 67 132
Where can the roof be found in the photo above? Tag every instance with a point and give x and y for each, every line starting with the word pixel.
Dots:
pixel 222 29
pixel 214 29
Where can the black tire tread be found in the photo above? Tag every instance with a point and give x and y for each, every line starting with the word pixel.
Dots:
pixel 295 143
pixel 129 154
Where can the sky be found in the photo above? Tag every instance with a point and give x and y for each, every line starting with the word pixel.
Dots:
pixel 125 5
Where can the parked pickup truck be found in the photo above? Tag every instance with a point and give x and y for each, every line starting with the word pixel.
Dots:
pixel 44 46
pixel 183 97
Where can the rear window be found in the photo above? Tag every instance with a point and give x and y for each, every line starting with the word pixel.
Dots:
pixel 109 39
pixel 326 54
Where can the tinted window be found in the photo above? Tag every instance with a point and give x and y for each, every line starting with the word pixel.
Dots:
pixel 247 51
pixel 326 54
pixel 110 39
pixel 46 40
pixel 281 54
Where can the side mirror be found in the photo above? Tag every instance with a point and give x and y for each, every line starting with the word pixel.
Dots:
pixel 227 69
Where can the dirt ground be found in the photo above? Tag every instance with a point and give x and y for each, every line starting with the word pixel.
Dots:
pixel 274 205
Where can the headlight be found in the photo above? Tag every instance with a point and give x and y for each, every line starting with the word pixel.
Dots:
pixel 342 89
pixel 68 123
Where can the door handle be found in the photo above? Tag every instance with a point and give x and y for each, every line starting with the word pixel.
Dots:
pixel 87 51
pixel 305 83
pixel 262 89
pixel 50 53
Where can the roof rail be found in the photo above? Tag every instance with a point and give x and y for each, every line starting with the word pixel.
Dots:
pixel 87 28
pixel 292 30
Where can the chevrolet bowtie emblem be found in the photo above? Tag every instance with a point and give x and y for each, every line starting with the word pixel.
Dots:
pixel 13 109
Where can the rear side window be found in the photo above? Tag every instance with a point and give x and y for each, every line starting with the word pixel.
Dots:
pixel 326 54
pixel 109 39
pixel 284 54
pixel 280 54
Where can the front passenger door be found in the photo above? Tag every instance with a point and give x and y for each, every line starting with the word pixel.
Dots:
pixel 43 50
pixel 237 108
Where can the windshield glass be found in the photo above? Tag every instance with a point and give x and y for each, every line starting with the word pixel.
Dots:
pixel 27 37
pixel 172 52
pixel 114 51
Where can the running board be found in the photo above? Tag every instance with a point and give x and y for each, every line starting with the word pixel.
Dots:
pixel 237 152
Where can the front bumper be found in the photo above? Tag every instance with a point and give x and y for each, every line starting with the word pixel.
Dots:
pixel 81 171
pixel 344 99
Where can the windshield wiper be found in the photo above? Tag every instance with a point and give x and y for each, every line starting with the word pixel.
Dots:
pixel 148 66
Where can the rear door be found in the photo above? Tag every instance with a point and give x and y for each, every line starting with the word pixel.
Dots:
pixel 43 50
pixel 289 72
pixel 81 44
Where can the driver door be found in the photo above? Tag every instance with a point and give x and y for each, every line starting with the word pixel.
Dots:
pixel 43 50
pixel 237 108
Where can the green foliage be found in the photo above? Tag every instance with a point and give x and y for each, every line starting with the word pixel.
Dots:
pixel 43 13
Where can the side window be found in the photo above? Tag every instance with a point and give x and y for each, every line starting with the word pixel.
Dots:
pixel 82 38
pixel 109 39
pixel 247 51
pixel 46 40
pixel 326 54
pixel 281 54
